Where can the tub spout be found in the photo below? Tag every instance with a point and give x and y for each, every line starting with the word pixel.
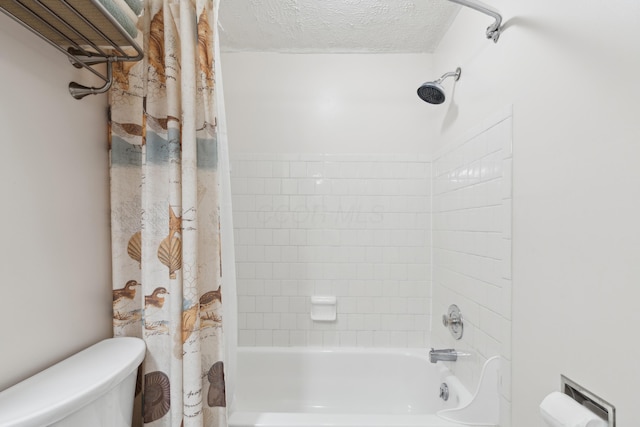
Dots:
pixel 445 355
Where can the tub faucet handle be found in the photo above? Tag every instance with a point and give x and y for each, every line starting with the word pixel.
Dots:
pixel 453 321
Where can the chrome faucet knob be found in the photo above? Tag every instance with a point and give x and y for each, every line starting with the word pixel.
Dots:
pixel 453 321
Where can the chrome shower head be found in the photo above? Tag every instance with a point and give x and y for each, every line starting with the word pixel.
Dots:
pixel 433 92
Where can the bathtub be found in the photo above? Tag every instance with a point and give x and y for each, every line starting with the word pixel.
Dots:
pixel 295 387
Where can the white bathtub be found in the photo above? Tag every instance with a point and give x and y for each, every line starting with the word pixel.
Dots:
pixel 287 387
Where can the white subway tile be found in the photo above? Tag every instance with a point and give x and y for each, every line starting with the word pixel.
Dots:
pixel 398 304
pixel 298 338
pixel 348 305
pixel 239 185
pixel 255 220
pixel 272 287
pixel 303 321
pixel 372 321
pixel 240 220
pixel 242 320
pixel 365 305
pixel 331 169
pixel 315 169
pixel 322 186
pixel 288 321
pixel 365 338
pixel 417 305
pixel 246 338
pixel 280 304
pixel 421 322
pixel 254 254
pixel 254 286
pixel 297 169
pixel 381 339
pixel 281 338
pixel 281 270
pixel 339 187
pixel 264 338
pixel 390 288
pixel 307 186
pixel 246 271
pixel 365 271
pixel 348 338
pixel 241 252
pixel 264 237
pixel 272 254
pixel 330 339
pixel 315 338
pixel 299 305
pixel 365 237
pixel 398 339
pixel 255 185
pixel 416 339
pixel 271 321
pixel 355 322
pixel 297 237
pixel 280 169
pixel 254 321
pixel 260 169
pixel 289 186
pixel 281 237
pixel 246 304
pixel 243 202
pixel 264 304
pixel 264 270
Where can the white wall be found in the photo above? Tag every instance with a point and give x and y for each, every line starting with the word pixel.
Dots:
pixel 54 251
pixel 570 69
pixel 333 103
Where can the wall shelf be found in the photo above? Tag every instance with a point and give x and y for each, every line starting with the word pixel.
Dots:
pixel 86 31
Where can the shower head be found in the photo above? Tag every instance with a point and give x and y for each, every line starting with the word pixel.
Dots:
pixel 433 92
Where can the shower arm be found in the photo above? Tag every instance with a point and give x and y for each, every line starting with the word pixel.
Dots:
pixel 493 31
pixel 455 74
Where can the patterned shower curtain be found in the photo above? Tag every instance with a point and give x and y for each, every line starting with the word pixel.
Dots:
pixel 165 215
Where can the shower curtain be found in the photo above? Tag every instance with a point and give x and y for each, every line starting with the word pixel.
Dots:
pixel 165 216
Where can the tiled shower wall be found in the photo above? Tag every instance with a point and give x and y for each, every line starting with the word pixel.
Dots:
pixel 352 226
pixel 472 249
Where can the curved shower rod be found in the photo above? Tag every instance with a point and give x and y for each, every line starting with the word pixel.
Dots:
pixel 493 31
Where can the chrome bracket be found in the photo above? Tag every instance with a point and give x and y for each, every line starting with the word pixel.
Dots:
pixel 493 32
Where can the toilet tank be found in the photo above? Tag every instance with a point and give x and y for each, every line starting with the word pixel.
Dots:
pixel 93 388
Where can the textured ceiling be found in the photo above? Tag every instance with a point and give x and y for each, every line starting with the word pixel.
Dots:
pixel 323 26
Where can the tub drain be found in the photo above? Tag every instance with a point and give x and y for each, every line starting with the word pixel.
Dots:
pixel 444 391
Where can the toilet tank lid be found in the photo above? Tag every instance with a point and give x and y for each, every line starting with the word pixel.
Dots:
pixel 74 382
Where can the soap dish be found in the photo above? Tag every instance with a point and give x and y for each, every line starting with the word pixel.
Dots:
pixel 323 308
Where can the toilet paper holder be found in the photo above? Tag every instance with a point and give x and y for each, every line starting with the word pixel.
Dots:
pixel 589 400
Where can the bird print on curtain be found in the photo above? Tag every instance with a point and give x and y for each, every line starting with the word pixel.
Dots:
pixel 167 285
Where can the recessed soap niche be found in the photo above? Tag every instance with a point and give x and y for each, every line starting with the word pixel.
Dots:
pixel 589 400
pixel 323 308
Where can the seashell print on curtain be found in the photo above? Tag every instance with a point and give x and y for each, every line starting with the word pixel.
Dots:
pixel 167 285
